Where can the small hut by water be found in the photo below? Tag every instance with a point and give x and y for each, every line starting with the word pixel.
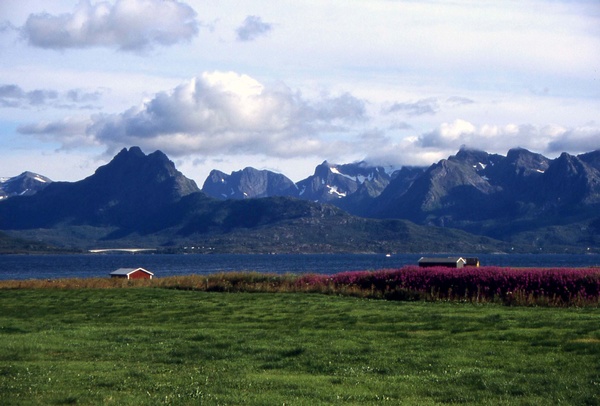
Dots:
pixel 132 273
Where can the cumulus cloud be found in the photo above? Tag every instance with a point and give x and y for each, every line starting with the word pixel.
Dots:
pixel 14 96
pixel 226 113
pixel 448 134
pixel 129 25
pixel 494 138
pixel 579 139
pixel 448 138
pixel 252 28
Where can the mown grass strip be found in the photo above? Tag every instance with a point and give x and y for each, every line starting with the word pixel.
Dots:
pixel 150 346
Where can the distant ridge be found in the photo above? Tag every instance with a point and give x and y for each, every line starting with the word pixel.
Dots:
pixel 519 202
pixel 512 198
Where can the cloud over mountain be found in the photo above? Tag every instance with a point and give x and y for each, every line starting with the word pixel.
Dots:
pixel 548 138
pixel 129 25
pixel 579 139
pixel 227 113
pixel 222 112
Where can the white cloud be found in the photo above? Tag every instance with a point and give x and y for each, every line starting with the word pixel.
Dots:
pixel 493 138
pixel 579 139
pixel 252 28
pixel 70 132
pixel 448 134
pixel 14 96
pixel 130 25
pixel 415 108
pixel 223 112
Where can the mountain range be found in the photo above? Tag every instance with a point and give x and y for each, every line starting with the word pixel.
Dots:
pixel 471 202
pixel 518 198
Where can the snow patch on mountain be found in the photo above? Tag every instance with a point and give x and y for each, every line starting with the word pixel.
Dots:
pixel 336 171
pixel 333 190
pixel 25 184
pixel 355 178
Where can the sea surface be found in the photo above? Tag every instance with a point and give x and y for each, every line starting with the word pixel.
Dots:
pixel 100 265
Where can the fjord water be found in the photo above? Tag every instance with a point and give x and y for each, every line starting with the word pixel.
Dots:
pixel 100 265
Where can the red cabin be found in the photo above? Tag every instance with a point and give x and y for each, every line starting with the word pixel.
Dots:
pixel 132 273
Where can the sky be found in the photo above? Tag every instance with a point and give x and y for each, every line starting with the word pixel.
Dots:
pixel 283 86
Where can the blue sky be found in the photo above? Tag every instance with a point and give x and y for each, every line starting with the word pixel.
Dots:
pixel 285 85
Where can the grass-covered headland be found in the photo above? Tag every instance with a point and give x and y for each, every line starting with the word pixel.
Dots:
pixel 78 341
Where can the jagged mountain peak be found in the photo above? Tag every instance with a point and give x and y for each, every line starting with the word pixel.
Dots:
pixel 134 156
pixel 30 175
pixel 522 158
pixel 131 155
pixel 128 189
pixel 248 183
pixel 25 184
pixel 469 155
pixel 331 182
pixel 592 159
pixel 568 166
pixel 460 191
pixel 132 151
pixel 133 166
pixel 357 171
pixel 569 180
pixel 478 159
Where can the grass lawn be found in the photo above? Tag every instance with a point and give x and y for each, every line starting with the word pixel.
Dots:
pixel 155 346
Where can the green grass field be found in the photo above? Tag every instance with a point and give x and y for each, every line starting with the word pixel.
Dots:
pixel 148 346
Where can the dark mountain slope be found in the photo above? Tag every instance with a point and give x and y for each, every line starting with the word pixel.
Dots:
pixel 330 182
pixel 454 188
pixel 592 159
pixel 12 245
pixel 142 200
pixel 570 182
pixel 524 199
pixel 284 224
pixel 508 198
pixel 126 191
pixel 248 183
pixel 367 200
